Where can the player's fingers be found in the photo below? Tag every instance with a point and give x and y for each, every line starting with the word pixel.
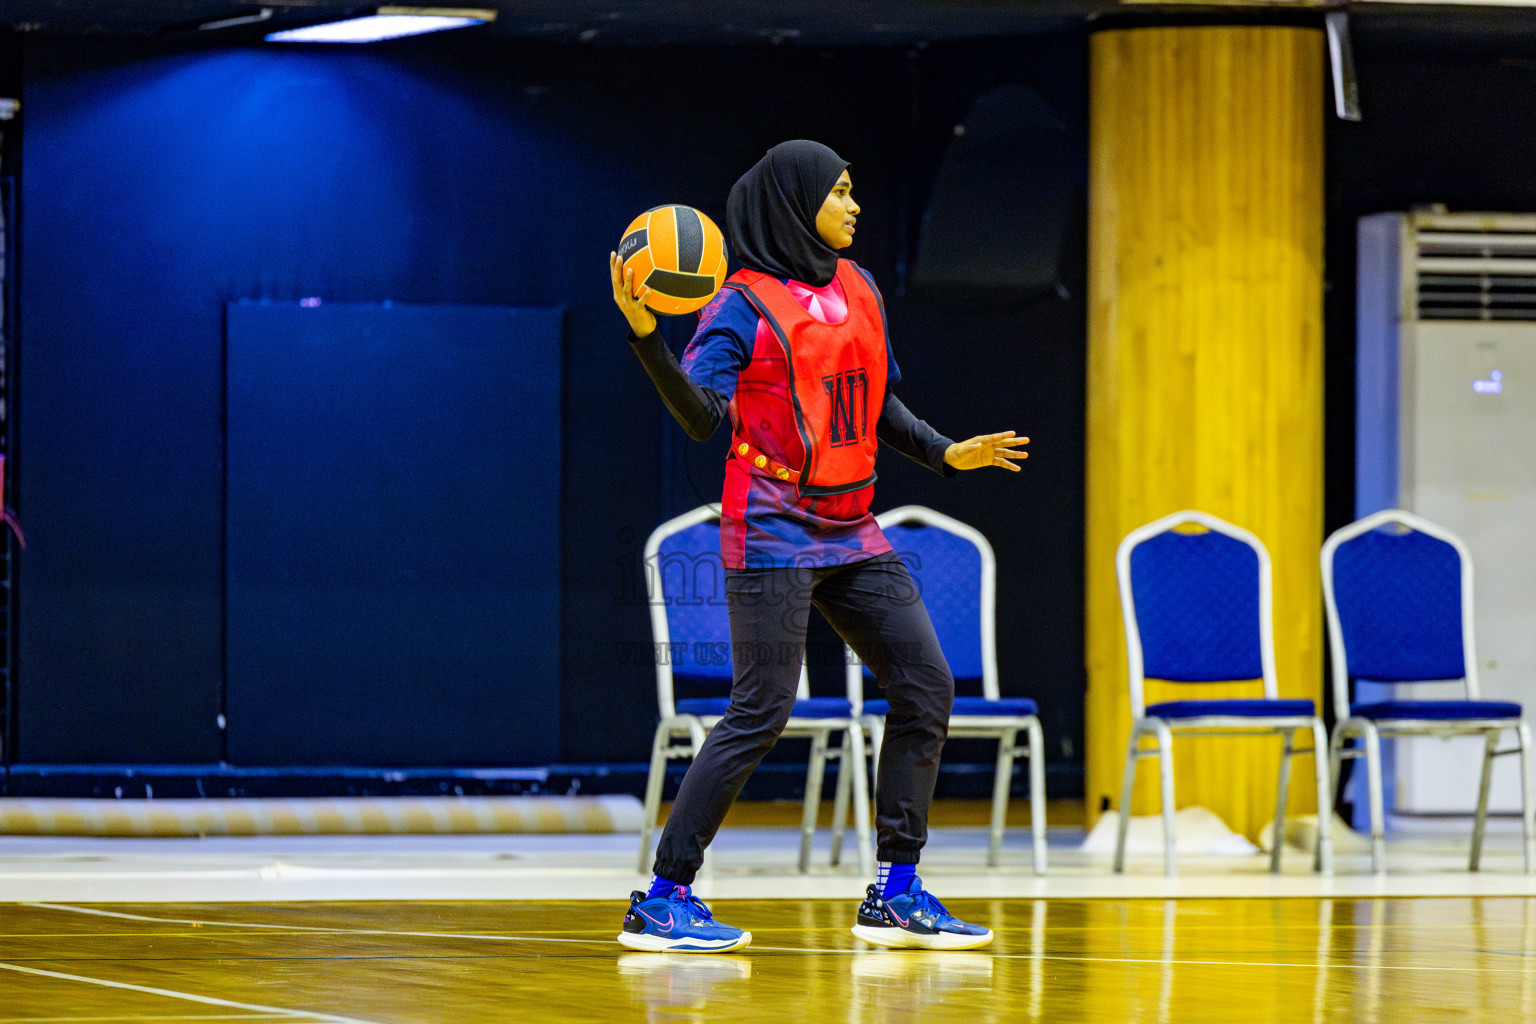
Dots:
pixel 994 438
pixel 1013 442
pixel 1007 453
pixel 1005 464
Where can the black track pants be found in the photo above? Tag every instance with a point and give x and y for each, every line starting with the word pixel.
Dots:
pixel 875 606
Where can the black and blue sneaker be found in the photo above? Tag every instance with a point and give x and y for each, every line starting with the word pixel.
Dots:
pixel 915 920
pixel 677 922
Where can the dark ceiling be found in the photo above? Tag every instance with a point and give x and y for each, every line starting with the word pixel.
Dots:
pixel 817 22
pixel 784 22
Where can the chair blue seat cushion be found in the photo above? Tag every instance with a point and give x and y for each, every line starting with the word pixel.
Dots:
pixel 1232 709
pixel 1006 707
pixel 813 707
pixel 1012 707
pixel 1436 710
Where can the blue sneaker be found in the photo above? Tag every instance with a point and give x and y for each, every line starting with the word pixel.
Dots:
pixel 915 920
pixel 677 922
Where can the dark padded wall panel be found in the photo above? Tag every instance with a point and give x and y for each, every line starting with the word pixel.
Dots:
pixel 393 534
pixel 1015 158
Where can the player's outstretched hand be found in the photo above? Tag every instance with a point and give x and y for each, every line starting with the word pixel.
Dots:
pixel 987 450
pixel 641 320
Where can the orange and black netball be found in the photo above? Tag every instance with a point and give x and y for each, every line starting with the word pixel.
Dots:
pixel 679 254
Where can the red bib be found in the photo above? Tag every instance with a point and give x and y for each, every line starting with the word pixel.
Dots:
pixel 836 381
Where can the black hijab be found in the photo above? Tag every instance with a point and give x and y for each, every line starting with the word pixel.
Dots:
pixel 771 212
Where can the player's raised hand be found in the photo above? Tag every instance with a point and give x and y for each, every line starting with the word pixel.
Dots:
pixel 987 450
pixel 641 320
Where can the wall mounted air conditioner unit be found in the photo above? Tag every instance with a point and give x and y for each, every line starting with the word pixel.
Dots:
pixel 1446 428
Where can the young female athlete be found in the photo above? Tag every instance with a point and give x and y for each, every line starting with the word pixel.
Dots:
pixel 794 351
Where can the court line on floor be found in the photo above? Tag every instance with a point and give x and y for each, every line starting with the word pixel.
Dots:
pixel 285 1014
pixel 311 928
pixel 142 1017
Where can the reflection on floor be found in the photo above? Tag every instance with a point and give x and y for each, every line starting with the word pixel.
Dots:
pixel 1112 960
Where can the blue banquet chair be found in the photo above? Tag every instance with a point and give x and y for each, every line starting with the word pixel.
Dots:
pixel 956 573
pixel 1398 590
pixel 1196 596
pixel 685 586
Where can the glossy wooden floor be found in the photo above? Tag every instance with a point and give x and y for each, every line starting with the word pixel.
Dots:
pixel 1059 960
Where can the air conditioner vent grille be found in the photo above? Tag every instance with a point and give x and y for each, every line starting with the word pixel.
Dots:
pixel 1476 275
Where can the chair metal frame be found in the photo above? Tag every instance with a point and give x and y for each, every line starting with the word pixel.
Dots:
pixel 1369 731
pixel 680 736
pixel 1004 728
pixel 1161 730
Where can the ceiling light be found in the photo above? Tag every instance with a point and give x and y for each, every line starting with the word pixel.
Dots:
pixel 387 23
pixel 265 14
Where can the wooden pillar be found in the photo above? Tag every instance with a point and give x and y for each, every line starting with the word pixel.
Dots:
pixel 1205 358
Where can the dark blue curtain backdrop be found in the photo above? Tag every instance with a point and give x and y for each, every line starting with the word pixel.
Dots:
pixel 161 184
pixel 392 553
